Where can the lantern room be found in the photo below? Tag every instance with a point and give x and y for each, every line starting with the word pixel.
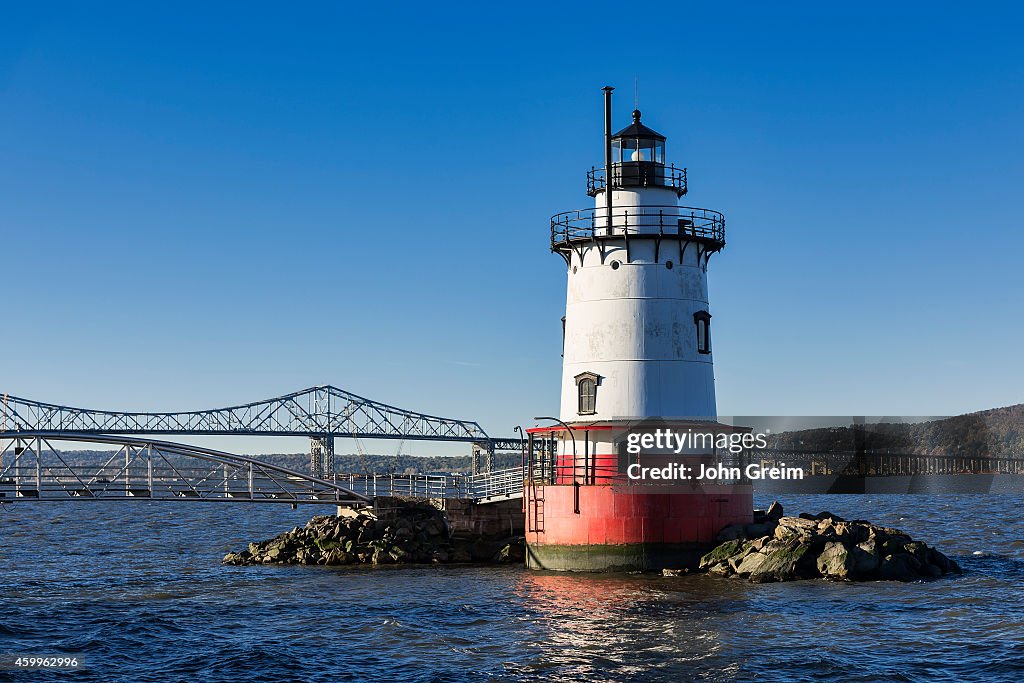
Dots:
pixel 638 143
pixel 638 160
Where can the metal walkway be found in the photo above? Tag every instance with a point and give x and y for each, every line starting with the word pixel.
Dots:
pixel 33 468
pixel 488 487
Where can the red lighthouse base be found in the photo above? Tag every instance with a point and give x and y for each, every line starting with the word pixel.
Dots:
pixel 616 527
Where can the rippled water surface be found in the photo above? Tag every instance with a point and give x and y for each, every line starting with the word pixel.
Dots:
pixel 139 590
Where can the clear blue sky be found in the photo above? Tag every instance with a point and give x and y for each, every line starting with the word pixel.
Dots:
pixel 205 204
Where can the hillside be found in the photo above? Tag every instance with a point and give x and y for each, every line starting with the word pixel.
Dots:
pixel 996 432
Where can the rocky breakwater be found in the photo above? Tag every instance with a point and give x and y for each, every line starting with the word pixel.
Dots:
pixel 412 534
pixel 780 548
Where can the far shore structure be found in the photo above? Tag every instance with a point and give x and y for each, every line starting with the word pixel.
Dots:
pixel 636 354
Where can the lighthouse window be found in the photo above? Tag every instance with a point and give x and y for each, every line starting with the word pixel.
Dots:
pixel 638 149
pixel 703 321
pixel 586 385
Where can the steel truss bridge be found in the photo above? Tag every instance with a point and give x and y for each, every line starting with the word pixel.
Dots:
pixel 34 464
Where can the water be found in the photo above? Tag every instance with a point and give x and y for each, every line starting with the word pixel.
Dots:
pixel 138 589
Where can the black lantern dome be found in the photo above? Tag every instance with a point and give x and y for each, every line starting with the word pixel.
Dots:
pixel 638 143
pixel 638 160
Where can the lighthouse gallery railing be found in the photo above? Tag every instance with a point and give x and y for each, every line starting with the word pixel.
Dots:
pixel 665 221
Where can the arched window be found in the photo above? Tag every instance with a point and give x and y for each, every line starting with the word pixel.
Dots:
pixel 703 321
pixel 586 387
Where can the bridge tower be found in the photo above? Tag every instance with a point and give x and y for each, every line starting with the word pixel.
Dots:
pixel 636 351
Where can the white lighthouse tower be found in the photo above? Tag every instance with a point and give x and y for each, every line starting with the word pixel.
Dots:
pixel 637 321
pixel 636 351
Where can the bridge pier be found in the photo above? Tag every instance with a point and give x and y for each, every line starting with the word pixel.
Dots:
pixel 478 454
pixel 321 456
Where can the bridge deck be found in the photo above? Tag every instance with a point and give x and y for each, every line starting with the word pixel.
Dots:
pixel 33 468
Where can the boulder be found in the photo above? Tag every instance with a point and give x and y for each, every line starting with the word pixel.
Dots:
pixel 899 567
pixel 721 553
pixel 721 569
pixel 774 511
pixel 382 557
pixel 865 559
pixel 836 562
pixel 777 561
pixel 675 572
pixel 514 551
pixel 795 526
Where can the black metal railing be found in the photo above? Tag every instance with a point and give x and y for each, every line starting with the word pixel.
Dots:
pixel 702 225
pixel 638 174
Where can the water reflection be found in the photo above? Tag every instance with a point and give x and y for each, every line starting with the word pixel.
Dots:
pixel 619 626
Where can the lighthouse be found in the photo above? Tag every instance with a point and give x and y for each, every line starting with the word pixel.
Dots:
pixel 636 354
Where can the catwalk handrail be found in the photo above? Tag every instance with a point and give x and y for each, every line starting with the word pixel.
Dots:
pixel 570 227
pixel 499 483
pixel 668 176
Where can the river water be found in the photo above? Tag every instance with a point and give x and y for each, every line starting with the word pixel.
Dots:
pixel 137 589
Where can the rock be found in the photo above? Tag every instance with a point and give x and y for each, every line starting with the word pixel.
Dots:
pixel 899 567
pixel 758 543
pixel 836 562
pixel 823 545
pixel 382 557
pixel 775 511
pixel 795 526
pixel 721 569
pixel 675 572
pixel 889 532
pixel 865 559
pixel 918 550
pixel 721 553
pixel 514 551
pixel 800 524
pixel 777 561
pixel 747 549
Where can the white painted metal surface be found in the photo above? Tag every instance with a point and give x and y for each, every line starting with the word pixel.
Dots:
pixel 632 323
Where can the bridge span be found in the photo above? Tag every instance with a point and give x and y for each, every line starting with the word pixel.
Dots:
pixel 34 464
